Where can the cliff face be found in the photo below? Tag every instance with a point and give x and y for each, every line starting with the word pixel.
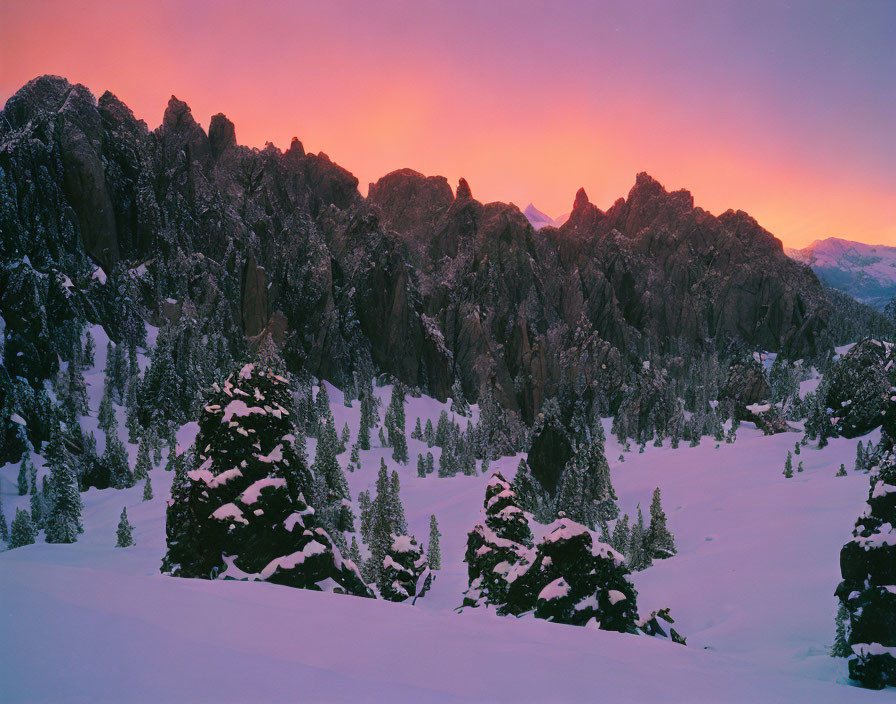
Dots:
pixel 415 280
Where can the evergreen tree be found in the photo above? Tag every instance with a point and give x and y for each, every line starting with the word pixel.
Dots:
pixel 399 523
pixel 405 573
pixel 368 416
pixel 799 467
pixel 430 463
pixel 842 471
pixel 354 553
pixel 638 556
pixel 242 510
pixel 417 432
pixel 143 465
pixel 25 468
pixel 434 551
pixel 796 448
pixel 22 531
pixel 346 436
pixel 37 513
pixel 788 466
pixel 443 430
pixel 841 647
pixel 493 548
pixel 365 505
pixel 106 419
pixel 125 531
pixel 621 536
pixel 147 489
pixel 459 404
pixel 4 527
pixel 421 466
pixel 88 356
pixel 429 435
pixel 331 495
pixel 63 523
pixel 860 457
pixel 396 424
pixel 661 543
pixel 115 460
pixel 32 478
pixel 382 523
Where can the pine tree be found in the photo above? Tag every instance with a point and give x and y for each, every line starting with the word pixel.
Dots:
pixel 143 465
pixel 399 523
pixel 37 505
pixel 621 536
pixel 32 479
pixel 368 416
pixel 661 543
pixel 4 527
pixel 417 432
pixel 243 508
pixel 841 647
pixel 429 434
pixel 125 531
pixel 799 467
pixel 796 448
pixel 860 457
pixel 381 524
pixel 364 504
pixel 421 466
pixel 430 463
pixel 788 466
pixel 459 404
pixel 106 419
pixel 434 552
pixel 405 573
pixel 842 471
pixel 638 557
pixel 25 468
pixel 354 553
pixel 22 531
pixel 63 523
pixel 115 459
pixel 89 354
pixel 346 436
pixel 396 424
pixel 147 489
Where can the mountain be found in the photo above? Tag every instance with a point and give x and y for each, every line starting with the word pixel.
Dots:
pixel 539 219
pixel 867 272
pixel 107 221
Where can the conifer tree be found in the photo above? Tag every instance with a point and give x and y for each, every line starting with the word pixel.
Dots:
pixel 405 573
pixel 147 489
pixel 430 463
pixel 799 467
pixel 841 647
pixel 842 471
pixel 354 553
pixel 396 424
pixel 143 465
pixel 421 466
pixel 32 479
pixel 37 505
pixel 365 505
pixel 106 415
pixel 638 555
pixel 63 522
pixel 22 532
pixel 399 523
pixel 788 466
pixel 434 551
pixel 429 435
pixel 459 404
pixel 88 356
pixel 125 531
pixel 621 536
pixel 796 448
pixel 382 523
pixel 368 416
pixel 860 457
pixel 661 543
pixel 25 467
pixel 4 527
pixel 115 459
pixel 346 436
pixel 417 432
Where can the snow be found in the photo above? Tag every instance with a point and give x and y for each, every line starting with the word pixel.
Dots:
pixel 99 275
pixel 555 590
pixel 239 409
pixel 615 596
pixel 755 602
pixel 253 491
pixel 230 511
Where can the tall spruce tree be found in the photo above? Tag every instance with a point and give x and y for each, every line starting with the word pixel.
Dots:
pixel 434 551
pixel 22 532
pixel 63 521
pixel 4 527
pixel 660 542
pixel 25 467
pixel 125 532
pixel 396 424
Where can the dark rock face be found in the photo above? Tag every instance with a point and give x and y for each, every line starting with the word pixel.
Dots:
pixel 860 386
pixel 414 280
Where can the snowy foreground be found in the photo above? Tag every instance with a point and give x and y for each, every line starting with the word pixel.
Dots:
pixel 751 588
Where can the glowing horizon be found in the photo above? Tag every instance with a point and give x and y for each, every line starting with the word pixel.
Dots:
pixel 785 113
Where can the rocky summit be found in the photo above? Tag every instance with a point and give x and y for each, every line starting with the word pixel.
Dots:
pixel 417 280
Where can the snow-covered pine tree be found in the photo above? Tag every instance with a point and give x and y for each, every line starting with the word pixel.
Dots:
pixel 4 526
pixel 147 489
pixel 429 435
pixel 417 432
pixel 386 519
pixel 868 567
pixel 495 546
pixel 660 542
pixel 405 573
pixel 32 477
pixel 22 532
pixel 365 505
pixel 860 457
pixel 638 555
pixel 125 532
pixel 143 465
pixel 443 430
pixel 430 463
pixel 571 579
pixel 25 468
pixel 63 521
pixel 799 467
pixel 368 416
pixel 621 535
pixel 841 648
pixel 421 466
pixel 842 471
pixel 242 512
pixel 346 436
pixel 788 466
pixel 396 424
pixel 115 460
pixel 434 550
pixel 399 522
pixel 459 404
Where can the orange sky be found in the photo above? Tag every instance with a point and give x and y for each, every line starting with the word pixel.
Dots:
pixel 788 117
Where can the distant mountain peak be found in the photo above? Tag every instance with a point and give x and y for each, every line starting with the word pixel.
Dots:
pixel 539 219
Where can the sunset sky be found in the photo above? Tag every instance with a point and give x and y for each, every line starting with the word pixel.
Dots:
pixel 784 109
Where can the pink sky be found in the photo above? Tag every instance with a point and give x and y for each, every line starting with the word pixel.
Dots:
pixel 785 113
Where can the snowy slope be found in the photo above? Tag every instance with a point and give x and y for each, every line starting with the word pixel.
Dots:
pixel 751 589
pixel 539 219
pixel 866 272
